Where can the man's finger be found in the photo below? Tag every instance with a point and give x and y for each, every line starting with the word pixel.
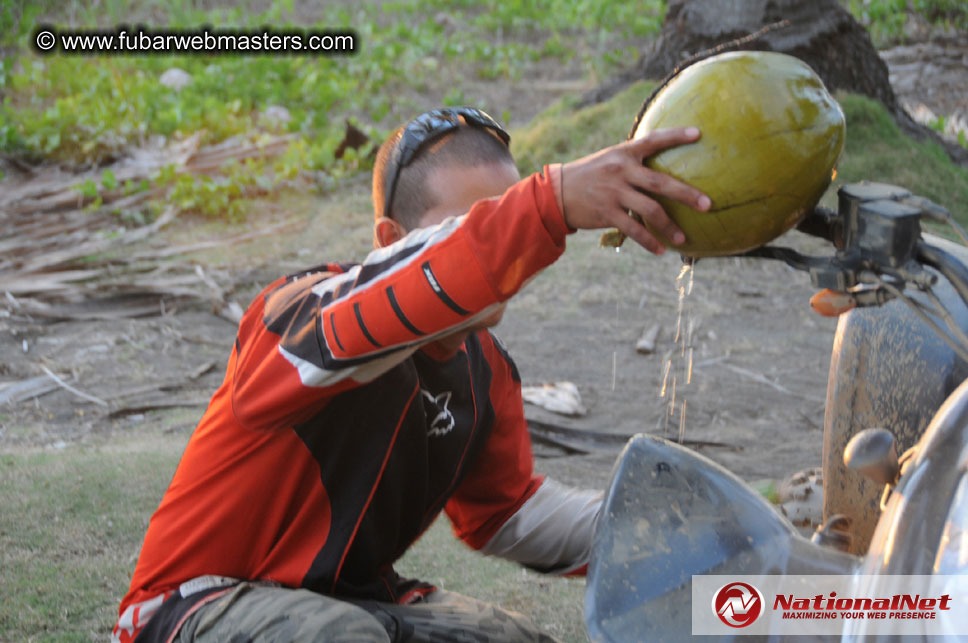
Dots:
pixel 652 212
pixel 661 139
pixel 662 184
pixel 638 233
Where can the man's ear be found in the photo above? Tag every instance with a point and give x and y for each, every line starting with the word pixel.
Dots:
pixel 387 231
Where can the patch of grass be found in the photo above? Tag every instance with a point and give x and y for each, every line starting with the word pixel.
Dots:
pixel 885 19
pixel 72 520
pixel 71 523
pixel 940 124
pixel 876 149
pixel 562 133
pixel 554 604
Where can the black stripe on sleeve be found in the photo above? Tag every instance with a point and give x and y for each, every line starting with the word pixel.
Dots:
pixel 403 318
pixel 332 325
pixel 366 333
pixel 444 297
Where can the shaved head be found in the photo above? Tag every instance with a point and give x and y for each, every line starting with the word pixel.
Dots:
pixel 466 147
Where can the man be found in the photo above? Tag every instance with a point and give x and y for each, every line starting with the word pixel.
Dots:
pixel 361 400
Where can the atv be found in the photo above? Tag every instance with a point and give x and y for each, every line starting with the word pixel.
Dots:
pixel 895 453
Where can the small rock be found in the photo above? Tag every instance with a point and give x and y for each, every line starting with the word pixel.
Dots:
pixel 921 113
pixel 175 79
pixel 276 115
pixel 646 343
pixel 801 497
pixel 559 397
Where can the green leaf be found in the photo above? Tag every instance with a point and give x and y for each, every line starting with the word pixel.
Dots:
pixel 108 180
pixel 88 189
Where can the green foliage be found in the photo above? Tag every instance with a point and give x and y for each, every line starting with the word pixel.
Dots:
pixel 558 29
pixel 940 123
pixel 88 110
pixel 571 16
pixel 108 180
pixel 88 189
pixel 85 110
pixel 885 19
pixel 561 133
pixel 768 489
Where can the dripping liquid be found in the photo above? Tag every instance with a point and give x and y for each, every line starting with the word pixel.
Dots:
pixel 678 363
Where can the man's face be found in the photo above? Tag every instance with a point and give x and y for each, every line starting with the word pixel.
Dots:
pixel 456 189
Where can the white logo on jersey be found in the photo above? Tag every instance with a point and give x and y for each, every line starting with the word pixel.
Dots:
pixel 443 423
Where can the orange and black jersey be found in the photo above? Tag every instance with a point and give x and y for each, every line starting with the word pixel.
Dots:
pixel 339 434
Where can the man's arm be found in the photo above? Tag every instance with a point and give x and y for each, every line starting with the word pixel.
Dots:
pixel 502 508
pixel 316 336
pixel 551 532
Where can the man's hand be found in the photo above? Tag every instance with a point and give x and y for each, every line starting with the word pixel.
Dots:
pixel 598 191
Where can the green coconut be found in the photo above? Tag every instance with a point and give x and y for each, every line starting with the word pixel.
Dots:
pixel 771 136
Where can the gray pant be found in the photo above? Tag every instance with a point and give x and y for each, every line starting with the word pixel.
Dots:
pixel 263 614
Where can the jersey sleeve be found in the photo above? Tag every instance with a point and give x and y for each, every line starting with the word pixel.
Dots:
pixel 311 336
pixel 502 479
pixel 503 509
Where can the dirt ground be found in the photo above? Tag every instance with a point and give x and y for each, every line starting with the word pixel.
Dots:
pixel 760 356
pixel 577 322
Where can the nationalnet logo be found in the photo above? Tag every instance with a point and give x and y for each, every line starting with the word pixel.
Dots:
pixel 738 604
pixel 858 605
pixel 898 606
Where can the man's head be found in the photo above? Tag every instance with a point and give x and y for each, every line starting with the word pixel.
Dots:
pixel 436 166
